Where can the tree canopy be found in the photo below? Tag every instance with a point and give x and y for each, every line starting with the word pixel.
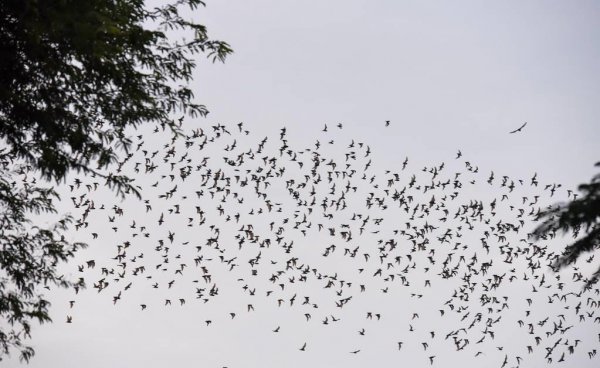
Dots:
pixel 581 216
pixel 76 75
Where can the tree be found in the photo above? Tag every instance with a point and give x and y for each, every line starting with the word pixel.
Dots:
pixel 77 76
pixel 580 215
pixel 28 254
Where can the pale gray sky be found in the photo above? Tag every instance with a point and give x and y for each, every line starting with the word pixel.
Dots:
pixel 448 76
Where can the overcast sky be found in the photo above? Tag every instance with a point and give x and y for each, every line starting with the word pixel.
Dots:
pixel 448 76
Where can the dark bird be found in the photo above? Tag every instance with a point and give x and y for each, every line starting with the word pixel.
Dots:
pixel 518 129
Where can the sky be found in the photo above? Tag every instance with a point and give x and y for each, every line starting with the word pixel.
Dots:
pixel 448 77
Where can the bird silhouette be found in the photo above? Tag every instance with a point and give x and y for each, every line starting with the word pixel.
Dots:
pixel 518 129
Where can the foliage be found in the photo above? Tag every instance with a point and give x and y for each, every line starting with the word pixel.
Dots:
pixel 29 254
pixel 580 215
pixel 75 76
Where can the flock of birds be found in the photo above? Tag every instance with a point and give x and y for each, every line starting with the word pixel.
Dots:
pixel 317 229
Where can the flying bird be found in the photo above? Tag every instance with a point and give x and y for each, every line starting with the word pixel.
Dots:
pixel 518 129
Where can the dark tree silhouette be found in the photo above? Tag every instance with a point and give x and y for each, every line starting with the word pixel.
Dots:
pixel 580 216
pixel 75 76
pixel 28 254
